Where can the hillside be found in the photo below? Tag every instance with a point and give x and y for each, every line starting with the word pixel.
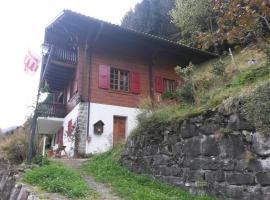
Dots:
pixel 214 139
pixel 212 89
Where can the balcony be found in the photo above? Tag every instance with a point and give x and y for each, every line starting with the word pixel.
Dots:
pixel 51 110
pixel 64 55
pixel 59 66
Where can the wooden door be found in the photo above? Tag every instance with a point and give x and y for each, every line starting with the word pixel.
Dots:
pixel 119 129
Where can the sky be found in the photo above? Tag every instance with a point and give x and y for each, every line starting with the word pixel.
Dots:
pixel 22 28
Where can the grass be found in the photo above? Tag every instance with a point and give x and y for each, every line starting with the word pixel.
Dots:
pixel 128 185
pixel 212 90
pixel 57 178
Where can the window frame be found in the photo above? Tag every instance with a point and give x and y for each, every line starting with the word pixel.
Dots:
pixel 115 83
pixel 172 85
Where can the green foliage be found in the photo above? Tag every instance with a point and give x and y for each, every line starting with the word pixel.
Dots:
pixel 151 16
pixel 57 178
pixel 186 71
pixel 185 93
pixel 218 68
pixel 168 95
pixel 256 107
pixel 41 160
pixel 192 17
pixel 251 75
pixel 128 185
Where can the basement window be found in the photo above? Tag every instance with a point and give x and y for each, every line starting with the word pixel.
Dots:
pixel 119 79
pixel 169 85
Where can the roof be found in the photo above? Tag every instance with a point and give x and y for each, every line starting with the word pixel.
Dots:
pixel 69 16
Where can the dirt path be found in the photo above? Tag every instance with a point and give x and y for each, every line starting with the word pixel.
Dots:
pixel 104 192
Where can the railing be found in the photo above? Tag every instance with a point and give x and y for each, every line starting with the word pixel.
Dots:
pixel 51 110
pixel 64 55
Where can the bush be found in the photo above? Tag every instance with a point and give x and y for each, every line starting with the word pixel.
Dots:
pixel 256 108
pixel 15 147
pixel 168 95
pixel 41 160
pixel 185 93
pixel 218 68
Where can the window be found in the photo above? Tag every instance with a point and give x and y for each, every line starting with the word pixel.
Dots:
pixel 169 85
pixel 119 79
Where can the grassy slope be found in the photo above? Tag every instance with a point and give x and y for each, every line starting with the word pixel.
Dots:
pixel 128 185
pixel 57 178
pixel 212 90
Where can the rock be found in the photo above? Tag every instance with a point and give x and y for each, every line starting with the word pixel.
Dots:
pixel 263 178
pixel 209 146
pixel 187 130
pixel 237 123
pixel 239 178
pixel 231 147
pixel 261 144
pixel 192 146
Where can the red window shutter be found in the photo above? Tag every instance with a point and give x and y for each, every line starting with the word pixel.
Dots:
pixel 59 138
pixel 159 84
pixel 69 131
pixel 104 74
pixel 135 83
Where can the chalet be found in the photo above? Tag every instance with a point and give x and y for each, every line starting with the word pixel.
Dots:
pixel 98 72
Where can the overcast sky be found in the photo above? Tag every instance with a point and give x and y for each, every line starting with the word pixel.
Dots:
pixel 22 28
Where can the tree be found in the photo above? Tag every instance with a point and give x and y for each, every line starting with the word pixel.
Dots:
pixel 192 17
pixel 152 16
pixel 241 21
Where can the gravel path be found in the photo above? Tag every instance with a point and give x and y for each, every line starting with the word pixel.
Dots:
pixel 105 192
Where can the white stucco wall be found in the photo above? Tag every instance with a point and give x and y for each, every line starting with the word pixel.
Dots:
pixel 69 140
pixel 103 142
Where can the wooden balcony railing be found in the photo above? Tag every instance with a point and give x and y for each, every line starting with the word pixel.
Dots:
pixel 64 55
pixel 51 110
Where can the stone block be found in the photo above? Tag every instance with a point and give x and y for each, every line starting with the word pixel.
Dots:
pixel 237 123
pixel 161 159
pixel 188 130
pixel 209 128
pixel 210 146
pixel 231 147
pixel 192 147
pixel 263 178
pixel 234 192
pixel 239 178
pixel 261 144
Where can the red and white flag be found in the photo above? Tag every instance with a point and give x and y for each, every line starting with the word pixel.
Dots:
pixel 31 62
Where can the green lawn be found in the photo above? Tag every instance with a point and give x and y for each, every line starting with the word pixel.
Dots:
pixel 57 178
pixel 128 185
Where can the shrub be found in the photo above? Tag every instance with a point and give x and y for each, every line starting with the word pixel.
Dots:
pixel 186 93
pixel 15 147
pixel 41 160
pixel 218 68
pixel 186 71
pixel 168 95
pixel 256 108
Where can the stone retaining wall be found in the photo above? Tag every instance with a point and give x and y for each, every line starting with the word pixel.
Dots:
pixel 213 154
pixel 9 190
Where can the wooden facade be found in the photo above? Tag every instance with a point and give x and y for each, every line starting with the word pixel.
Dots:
pixel 83 51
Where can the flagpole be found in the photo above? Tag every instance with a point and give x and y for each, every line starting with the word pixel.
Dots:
pixel 33 129
pixel 35 116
